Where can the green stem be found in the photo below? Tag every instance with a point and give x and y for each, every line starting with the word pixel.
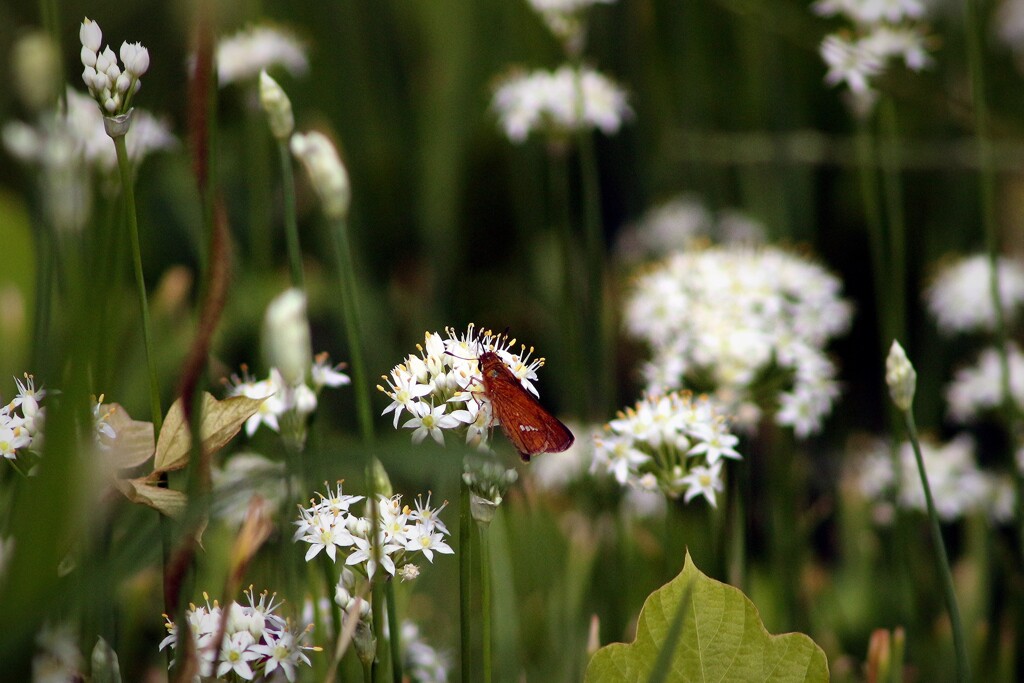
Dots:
pixel 45 244
pixel 963 668
pixel 593 233
pixel 291 227
pixel 987 183
pixel 394 632
pixel 560 193
pixel 485 597
pixel 127 185
pixel 893 189
pixel 350 313
pixel 377 609
pixel 465 577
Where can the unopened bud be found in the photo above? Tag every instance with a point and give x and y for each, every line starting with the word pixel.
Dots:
pixel 278 107
pixel 286 336
pixel 381 480
pixel 326 172
pixel 90 34
pixel 901 377
pixel 366 644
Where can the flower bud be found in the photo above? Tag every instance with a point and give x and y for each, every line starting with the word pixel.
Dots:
pixel 365 643
pixel 90 34
pixel 901 377
pixel 278 107
pixel 326 172
pixel 135 58
pixel 286 336
pixel 381 481
pixel 124 81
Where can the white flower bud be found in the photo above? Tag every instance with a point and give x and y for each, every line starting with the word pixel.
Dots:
pixel 135 58
pixel 278 107
pixel 89 78
pixel 124 82
pixel 901 377
pixel 326 172
pixel 110 104
pixel 104 60
pixel 90 35
pixel 88 57
pixel 286 336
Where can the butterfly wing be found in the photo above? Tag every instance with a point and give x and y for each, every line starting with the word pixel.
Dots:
pixel 526 423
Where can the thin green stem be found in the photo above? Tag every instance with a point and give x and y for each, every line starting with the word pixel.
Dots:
pixel 291 226
pixel 465 577
pixel 127 185
pixel 350 314
pixel 963 667
pixel 377 609
pixel 394 633
pixel 896 292
pixel 560 193
pixel 485 597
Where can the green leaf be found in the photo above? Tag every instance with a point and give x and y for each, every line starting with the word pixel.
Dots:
pixel 221 420
pixel 722 639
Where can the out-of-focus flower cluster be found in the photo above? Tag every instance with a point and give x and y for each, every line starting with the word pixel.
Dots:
pixel 330 526
pixel 748 324
pixel 673 442
pixel 257 642
pixel 878 34
pixel 977 389
pixel 111 87
pixel 960 295
pixel 442 387
pixel 959 487
pixel 241 56
pixel 58 658
pixel 560 102
pixel 23 419
pixel 281 397
pixel 420 661
pixel 566 19
pixel 682 223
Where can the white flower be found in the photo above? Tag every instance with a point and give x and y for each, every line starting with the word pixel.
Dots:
pixel 326 172
pixel 703 481
pixel 422 662
pixel 243 55
pixel 872 12
pixel 443 389
pixel 724 319
pixel 977 389
pixel 960 296
pixel 559 102
pixel 670 442
pixel 850 62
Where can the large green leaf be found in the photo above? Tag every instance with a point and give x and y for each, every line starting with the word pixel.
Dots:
pixel 721 639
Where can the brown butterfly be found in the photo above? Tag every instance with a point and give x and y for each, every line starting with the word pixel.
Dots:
pixel 526 423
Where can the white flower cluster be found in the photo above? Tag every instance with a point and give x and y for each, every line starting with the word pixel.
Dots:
pixel 442 388
pixel 22 421
pixel 111 87
pixel 681 223
pixel 672 442
pixel 422 662
pixel 959 487
pixel 565 19
pixel 330 526
pixel 960 296
pixel 731 319
pixel 58 657
pixel 560 102
pixel 977 389
pixel 326 172
pixel 257 642
pixel 282 398
pixel 881 31
pixel 242 56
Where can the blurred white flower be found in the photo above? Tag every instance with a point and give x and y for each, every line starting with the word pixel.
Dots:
pixel 242 56
pixel 959 487
pixel 960 296
pixel 977 389
pixel 286 336
pixel 850 62
pixel 58 659
pixel 729 319
pixel 871 12
pixel 559 102
pixel 572 465
pixel 422 662
pixel 278 107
